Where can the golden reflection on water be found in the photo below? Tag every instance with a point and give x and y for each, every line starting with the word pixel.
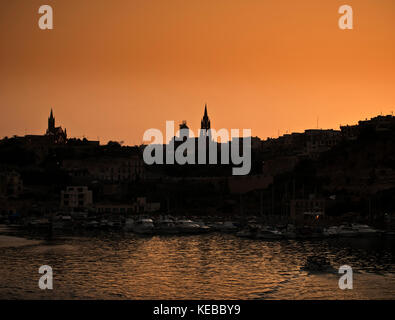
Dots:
pixel 194 267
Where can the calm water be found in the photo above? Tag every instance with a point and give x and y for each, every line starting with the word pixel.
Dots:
pixel 213 266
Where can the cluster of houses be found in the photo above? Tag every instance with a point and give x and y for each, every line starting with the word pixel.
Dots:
pixel 91 164
pixel 81 198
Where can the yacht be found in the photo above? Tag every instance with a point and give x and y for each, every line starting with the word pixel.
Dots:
pixel 345 231
pixel 289 232
pixel 331 232
pixel 39 223
pixel 266 233
pixel 245 233
pixel 62 223
pixel 116 223
pixel 188 226
pixel 143 226
pixel 227 226
pixel 166 226
pixel 248 232
pixel 103 224
pixel 363 229
pixel 91 224
pixel 129 223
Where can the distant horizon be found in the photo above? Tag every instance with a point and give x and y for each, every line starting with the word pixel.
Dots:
pixel 176 129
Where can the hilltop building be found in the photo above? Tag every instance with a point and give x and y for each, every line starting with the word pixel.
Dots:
pixel 57 133
pixel 205 124
pixel 41 143
pixel 377 124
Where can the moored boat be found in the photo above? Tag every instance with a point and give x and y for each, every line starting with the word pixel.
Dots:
pixel 268 234
pixel 227 226
pixel 331 232
pixel 39 223
pixel 166 226
pixel 347 232
pixel 188 226
pixel 143 226
pixel 363 229
pixel 129 224
pixel 64 222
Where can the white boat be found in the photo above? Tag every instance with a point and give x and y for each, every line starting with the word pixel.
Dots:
pixel 188 226
pixel 289 232
pixel 79 215
pixel 62 223
pixel 129 223
pixel 143 226
pixel 39 223
pixel 248 231
pixel 227 226
pixel 116 223
pixel 331 231
pixel 348 232
pixel 363 229
pixel 92 224
pixel 166 226
pixel 245 233
pixel 103 223
pixel 265 233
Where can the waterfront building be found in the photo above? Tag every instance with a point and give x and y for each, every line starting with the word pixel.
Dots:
pixel 76 197
pixel 106 168
pixel 139 206
pixel 11 184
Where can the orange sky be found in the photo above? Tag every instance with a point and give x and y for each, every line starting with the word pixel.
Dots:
pixel 112 69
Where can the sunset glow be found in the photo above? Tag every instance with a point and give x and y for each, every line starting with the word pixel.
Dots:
pixel 113 69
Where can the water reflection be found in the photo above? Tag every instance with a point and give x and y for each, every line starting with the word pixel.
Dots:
pixel 214 266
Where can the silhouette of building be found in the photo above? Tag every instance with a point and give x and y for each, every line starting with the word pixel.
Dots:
pixel 106 168
pixel 57 133
pixel 183 125
pixel 205 124
pixel 376 124
pixel 184 130
pixel 319 140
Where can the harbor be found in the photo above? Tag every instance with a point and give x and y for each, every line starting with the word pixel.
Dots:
pixel 104 264
pixel 253 227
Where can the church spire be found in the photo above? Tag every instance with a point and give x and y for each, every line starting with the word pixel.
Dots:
pixel 51 122
pixel 205 124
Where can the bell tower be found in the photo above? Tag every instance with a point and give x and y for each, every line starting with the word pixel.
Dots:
pixel 51 122
pixel 205 124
